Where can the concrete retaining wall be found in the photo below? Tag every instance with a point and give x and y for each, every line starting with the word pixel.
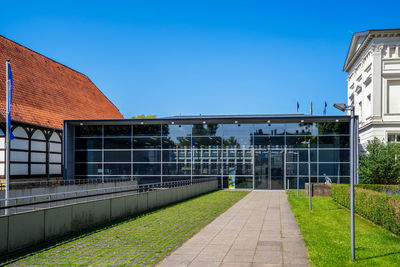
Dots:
pixel 23 230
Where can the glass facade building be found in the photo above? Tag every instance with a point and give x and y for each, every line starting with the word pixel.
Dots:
pixel 255 152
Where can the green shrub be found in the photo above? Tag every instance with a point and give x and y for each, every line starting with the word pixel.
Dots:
pixel 380 208
pixel 383 188
pixel 380 165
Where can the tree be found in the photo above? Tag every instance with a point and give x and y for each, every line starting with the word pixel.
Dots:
pixel 142 116
pixel 380 165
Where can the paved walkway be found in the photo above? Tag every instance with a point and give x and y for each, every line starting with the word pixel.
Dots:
pixel 259 230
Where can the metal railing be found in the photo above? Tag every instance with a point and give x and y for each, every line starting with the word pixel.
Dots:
pixel 62 182
pixel 23 203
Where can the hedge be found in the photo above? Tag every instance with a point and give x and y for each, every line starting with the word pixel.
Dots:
pixel 393 189
pixel 380 208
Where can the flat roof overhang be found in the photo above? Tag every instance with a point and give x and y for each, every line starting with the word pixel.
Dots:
pixel 215 119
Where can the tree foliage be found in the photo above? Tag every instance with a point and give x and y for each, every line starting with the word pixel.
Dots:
pixel 381 165
pixel 142 116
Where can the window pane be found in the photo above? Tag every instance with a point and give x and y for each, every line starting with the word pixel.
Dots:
pixel 207 130
pixel 181 155
pixel 334 141
pixel 334 155
pixel 146 169
pixel 173 131
pixel 177 142
pixel 88 156
pixel 147 156
pixel 88 131
pixel 87 169
pixel 151 142
pixel 207 142
pixel 117 156
pixel 239 168
pixel 176 168
pixel 206 169
pixel 147 130
pixel 238 141
pixel 117 130
pixel 325 128
pixel 117 143
pixel 301 129
pixel 207 154
pixel 291 156
pixel 117 169
pixel 88 143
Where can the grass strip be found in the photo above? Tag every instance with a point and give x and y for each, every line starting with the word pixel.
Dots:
pixel 141 240
pixel 326 233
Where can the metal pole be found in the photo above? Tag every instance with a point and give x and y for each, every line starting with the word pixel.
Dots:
pixel 284 169
pixel 7 169
pixel 298 164
pixel 309 176
pixel 352 171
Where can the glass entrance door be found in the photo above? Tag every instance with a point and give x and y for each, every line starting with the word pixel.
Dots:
pixel 268 169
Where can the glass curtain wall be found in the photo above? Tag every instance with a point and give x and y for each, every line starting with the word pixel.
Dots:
pixel 265 156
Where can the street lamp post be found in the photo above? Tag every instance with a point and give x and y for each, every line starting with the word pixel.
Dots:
pixel 353 154
pixel 309 172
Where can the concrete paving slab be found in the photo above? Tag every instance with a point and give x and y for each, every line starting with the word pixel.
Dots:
pixel 259 230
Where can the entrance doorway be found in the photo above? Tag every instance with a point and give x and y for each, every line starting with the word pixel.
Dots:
pixel 269 169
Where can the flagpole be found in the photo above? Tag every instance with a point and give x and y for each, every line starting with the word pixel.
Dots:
pixel 7 167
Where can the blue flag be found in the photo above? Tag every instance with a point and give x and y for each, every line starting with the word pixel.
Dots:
pixel 9 103
pixel 325 105
pixel 298 106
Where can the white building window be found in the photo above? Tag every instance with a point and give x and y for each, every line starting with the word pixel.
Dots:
pixel 393 137
pixel 393 97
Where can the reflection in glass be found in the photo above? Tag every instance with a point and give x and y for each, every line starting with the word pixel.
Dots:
pixel 207 130
pixel 146 169
pixel 117 156
pixel 88 131
pixel 147 130
pixel 88 169
pixel 146 156
pixel 117 169
pixel 146 142
pixel 117 143
pixel 88 143
pixel 117 130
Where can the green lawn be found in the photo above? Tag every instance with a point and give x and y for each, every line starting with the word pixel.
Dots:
pixel 294 192
pixel 141 240
pixel 326 232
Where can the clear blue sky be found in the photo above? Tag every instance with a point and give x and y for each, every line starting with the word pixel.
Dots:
pixel 202 57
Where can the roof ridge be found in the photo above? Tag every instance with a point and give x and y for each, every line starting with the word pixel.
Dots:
pixel 23 46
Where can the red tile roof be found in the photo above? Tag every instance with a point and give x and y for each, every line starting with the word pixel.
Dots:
pixel 46 92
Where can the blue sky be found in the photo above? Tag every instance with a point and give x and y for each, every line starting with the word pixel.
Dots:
pixel 202 57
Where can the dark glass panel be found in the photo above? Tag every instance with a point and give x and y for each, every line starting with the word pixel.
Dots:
pixel 117 156
pixel 207 154
pixel 147 142
pixel 206 169
pixel 147 130
pixel 298 141
pixel 87 169
pixel 334 169
pixel 334 141
pixel 177 130
pixel 207 142
pixel 291 169
pixel 302 128
pixel 117 130
pixel 207 130
pixel 342 155
pixel 88 156
pixel 236 130
pixel 148 179
pixel 291 155
pixel 327 128
pixel 146 169
pixel 117 169
pixel 239 168
pixel 269 141
pixel 269 129
pixel 88 131
pixel 176 168
pixel 243 182
pixel 117 143
pixel 292 183
pixel 88 143
pixel 147 156
pixel 177 155
pixel 177 142
pixel 238 141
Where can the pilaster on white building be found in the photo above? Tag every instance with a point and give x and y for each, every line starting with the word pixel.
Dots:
pixel 373 67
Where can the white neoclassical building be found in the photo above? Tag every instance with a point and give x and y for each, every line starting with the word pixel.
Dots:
pixel 373 67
